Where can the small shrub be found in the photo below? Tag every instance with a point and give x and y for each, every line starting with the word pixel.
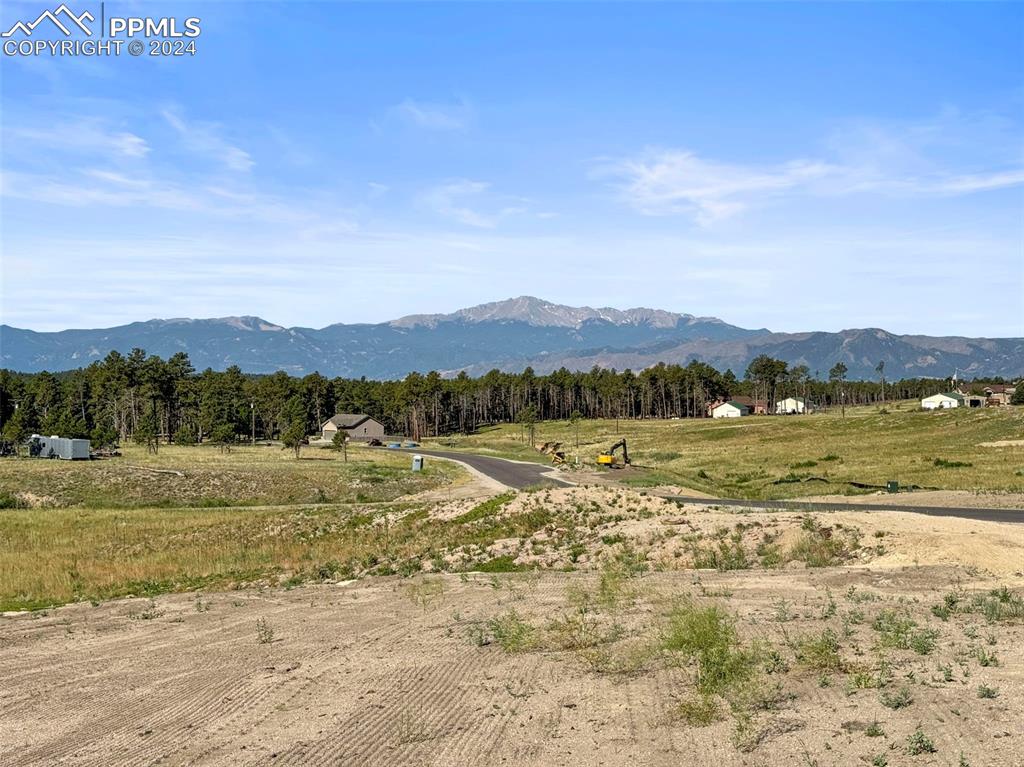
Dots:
pixel 12 501
pixel 820 651
pixel 874 730
pixel 264 631
pixel 898 699
pixel 729 555
pixel 919 743
pixel 783 613
pixel 984 691
pixel 923 642
pixel 577 630
pixel 707 636
pixel 897 630
pixel 700 711
pixel 986 658
pixel 511 632
pixel 770 555
pixel 817 550
pixel 502 564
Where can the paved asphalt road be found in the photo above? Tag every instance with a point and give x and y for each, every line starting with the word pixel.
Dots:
pixel 981 515
pixel 520 475
pixel 511 473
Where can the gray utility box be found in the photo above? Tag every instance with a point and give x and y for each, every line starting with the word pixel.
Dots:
pixel 417 463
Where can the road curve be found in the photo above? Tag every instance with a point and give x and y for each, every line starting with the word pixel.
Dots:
pixel 518 475
pixel 514 474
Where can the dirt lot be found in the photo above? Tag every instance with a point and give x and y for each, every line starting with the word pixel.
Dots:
pixel 400 671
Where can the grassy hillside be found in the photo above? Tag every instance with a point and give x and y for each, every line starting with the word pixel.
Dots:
pixel 793 456
pixel 207 477
pixel 108 528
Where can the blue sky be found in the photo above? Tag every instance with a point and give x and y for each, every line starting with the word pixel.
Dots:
pixel 794 166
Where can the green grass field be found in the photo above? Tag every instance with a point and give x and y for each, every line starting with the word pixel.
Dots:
pixel 767 457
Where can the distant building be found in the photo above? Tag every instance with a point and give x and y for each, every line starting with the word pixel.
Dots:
pixel 790 406
pixel 357 425
pixel 999 394
pixel 755 406
pixel 942 401
pixel 731 409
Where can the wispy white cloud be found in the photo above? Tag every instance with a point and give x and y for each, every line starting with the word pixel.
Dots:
pixel 82 135
pixel 951 155
pixel 439 117
pixel 662 182
pixel 205 138
pixel 106 188
pixel 449 200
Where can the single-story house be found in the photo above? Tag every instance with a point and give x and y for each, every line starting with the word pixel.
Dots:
pixel 358 426
pixel 791 405
pixel 942 401
pixel 999 394
pixel 755 406
pixel 730 409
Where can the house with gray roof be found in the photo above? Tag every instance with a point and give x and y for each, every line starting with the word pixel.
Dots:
pixel 358 426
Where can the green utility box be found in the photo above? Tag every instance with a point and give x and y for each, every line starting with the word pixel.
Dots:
pixel 892 486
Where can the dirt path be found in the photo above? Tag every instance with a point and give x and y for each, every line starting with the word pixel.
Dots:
pixel 367 674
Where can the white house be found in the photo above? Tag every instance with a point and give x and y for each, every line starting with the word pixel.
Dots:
pixel 730 410
pixel 790 405
pixel 942 401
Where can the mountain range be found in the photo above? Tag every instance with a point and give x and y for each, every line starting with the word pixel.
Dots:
pixel 510 335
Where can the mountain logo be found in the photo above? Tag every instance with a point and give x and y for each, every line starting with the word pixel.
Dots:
pixel 54 16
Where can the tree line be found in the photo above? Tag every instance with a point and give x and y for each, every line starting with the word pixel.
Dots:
pixel 152 400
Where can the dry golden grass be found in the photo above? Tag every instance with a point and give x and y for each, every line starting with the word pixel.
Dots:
pixel 245 476
pixel 105 529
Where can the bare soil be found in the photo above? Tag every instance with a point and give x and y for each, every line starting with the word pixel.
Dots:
pixel 375 673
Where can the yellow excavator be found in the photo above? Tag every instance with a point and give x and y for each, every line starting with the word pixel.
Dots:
pixel 607 458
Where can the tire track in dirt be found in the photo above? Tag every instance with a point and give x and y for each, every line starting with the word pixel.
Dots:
pixel 248 715
pixel 389 720
pixel 263 701
pixel 191 694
